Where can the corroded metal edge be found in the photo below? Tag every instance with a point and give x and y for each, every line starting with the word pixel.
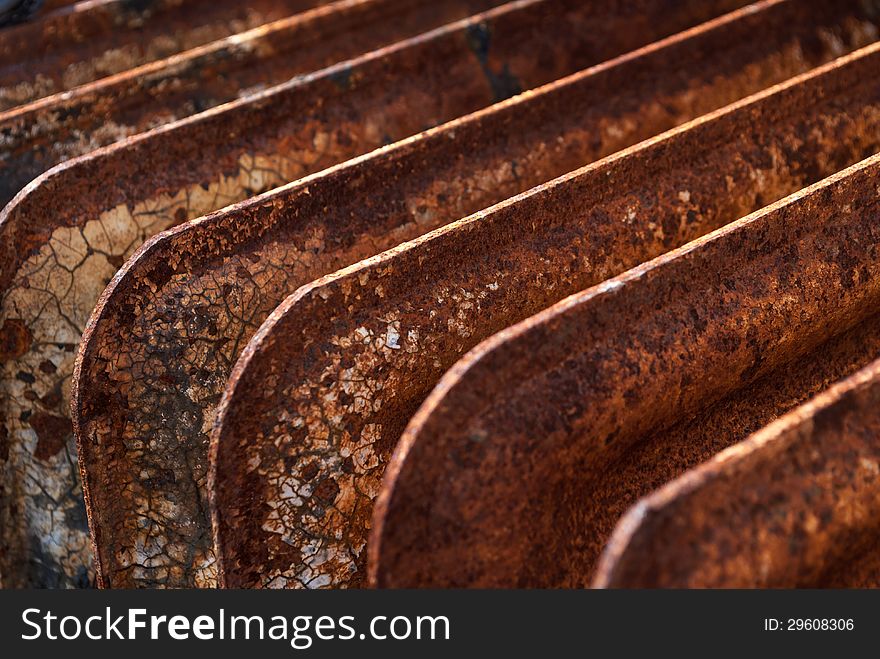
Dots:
pixel 794 505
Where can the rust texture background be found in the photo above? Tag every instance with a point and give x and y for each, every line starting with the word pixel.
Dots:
pixel 795 505
pixel 465 293
pixel 336 114
pixel 36 136
pixel 701 322
pixel 230 270
pixel 321 394
pixel 71 47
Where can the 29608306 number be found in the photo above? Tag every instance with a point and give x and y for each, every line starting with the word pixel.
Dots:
pixel 820 624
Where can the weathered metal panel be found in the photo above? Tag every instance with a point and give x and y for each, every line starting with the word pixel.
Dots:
pixel 85 42
pixel 37 136
pixel 321 394
pixel 793 506
pixel 233 152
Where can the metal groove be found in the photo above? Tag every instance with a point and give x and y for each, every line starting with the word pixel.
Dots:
pixel 793 506
pixel 699 323
pixel 35 137
pixel 230 270
pixel 238 150
pixel 85 42
pixel 343 363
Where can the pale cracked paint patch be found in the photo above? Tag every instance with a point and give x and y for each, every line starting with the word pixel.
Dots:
pixel 205 338
pixel 42 315
pixel 321 487
pixel 312 520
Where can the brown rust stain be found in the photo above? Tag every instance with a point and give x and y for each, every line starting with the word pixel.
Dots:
pixel 700 323
pixel 73 47
pixel 231 269
pixel 15 339
pixel 37 136
pixel 342 364
pixel 794 505
pixel 53 433
pixel 293 130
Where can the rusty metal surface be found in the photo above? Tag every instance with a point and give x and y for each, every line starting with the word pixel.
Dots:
pixel 575 398
pixel 256 536
pixel 666 452
pixel 82 43
pixel 280 136
pixel 37 136
pixel 229 271
pixel 321 394
pixel 360 349
pixel 794 505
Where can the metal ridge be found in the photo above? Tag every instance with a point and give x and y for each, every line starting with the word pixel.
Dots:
pixel 87 41
pixel 792 506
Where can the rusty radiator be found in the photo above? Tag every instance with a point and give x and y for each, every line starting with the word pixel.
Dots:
pixel 549 293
